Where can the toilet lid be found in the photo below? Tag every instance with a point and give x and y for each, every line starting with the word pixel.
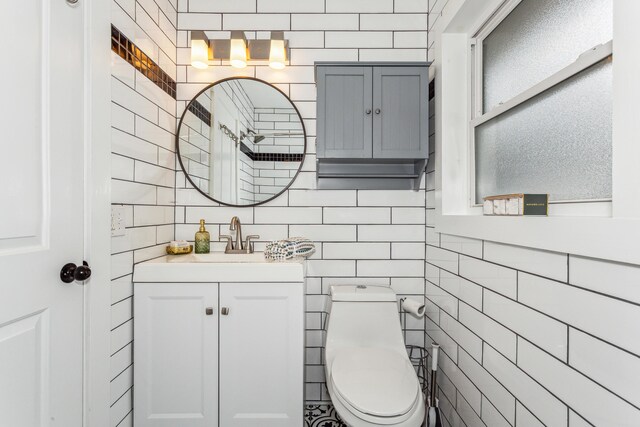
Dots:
pixel 375 381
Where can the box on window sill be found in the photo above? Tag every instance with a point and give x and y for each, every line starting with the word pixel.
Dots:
pixel 516 204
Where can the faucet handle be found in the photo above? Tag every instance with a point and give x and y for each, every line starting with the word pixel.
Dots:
pixel 229 240
pixel 249 244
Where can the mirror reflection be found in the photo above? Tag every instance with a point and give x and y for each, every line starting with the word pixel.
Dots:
pixel 241 142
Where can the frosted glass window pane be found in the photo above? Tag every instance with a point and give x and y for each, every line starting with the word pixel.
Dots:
pixel 537 39
pixel 558 142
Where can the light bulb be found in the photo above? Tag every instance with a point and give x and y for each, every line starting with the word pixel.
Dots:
pixel 277 55
pixel 199 53
pixel 238 53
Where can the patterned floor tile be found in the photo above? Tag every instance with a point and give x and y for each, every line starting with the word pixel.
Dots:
pixel 322 416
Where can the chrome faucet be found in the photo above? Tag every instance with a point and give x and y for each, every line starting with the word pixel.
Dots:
pixel 238 247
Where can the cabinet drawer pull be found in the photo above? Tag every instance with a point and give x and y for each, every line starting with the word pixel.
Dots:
pixel 224 311
pixel 378 111
pixel 368 111
pixel 208 311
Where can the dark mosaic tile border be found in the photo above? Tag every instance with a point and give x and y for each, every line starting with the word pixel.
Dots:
pixel 131 53
pixel 322 416
pixel 271 157
pixel 200 112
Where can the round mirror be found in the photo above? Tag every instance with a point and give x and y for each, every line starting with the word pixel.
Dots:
pixel 241 142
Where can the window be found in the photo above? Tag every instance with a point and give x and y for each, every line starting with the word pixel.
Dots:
pixel 598 229
pixel 542 87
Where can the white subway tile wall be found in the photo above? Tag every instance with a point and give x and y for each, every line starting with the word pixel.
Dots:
pixel 143 173
pixel 364 237
pixel 530 337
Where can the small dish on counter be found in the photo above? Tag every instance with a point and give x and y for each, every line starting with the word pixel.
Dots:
pixel 172 250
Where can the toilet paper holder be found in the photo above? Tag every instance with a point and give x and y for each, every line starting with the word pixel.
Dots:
pixel 417 353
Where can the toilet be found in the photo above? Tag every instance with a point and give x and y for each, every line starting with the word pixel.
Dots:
pixel 369 375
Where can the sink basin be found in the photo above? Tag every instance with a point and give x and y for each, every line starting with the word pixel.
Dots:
pixel 219 257
pixel 218 267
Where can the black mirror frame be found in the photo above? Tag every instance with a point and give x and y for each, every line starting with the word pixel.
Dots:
pixel 186 108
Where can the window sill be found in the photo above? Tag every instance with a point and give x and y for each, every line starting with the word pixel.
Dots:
pixel 591 208
pixel 616 239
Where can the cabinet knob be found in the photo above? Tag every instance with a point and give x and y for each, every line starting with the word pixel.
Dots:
pixel 208 311
pixel 377 111
pixel 368 111
pixel 224 311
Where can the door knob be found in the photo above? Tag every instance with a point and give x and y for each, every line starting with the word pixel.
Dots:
pixel 377 111
pixel 224 311
pixel 368 111
pixel 71 272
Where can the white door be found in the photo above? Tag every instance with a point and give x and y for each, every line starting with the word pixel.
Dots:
pixel 41 213
pixel 261 354
pixel 176 355
pixel 224 152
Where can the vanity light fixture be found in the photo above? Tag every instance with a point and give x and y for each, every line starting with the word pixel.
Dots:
pixel 277 51
pixel 199 50
pixel 238 50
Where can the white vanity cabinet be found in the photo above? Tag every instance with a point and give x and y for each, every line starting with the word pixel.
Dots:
pixel 176 355
pixel 261 350
pixel 228 353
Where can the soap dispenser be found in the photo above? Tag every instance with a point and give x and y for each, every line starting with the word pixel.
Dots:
pixel 202 240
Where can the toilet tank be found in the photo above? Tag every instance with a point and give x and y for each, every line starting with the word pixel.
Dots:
pixel 363 316
pixel 361 293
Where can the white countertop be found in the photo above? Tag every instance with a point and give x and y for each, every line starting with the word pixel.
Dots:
pixel 219 267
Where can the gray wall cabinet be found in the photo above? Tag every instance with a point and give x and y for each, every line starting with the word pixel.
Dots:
pixel 401 119
pixel 345 110
pixel 372 124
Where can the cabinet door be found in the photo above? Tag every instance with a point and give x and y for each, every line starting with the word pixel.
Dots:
pixel 262 355
pixel 344 112
pixel 175 355
pixel 401 116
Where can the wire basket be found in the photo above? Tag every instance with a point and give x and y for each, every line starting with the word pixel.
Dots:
pixel 418 357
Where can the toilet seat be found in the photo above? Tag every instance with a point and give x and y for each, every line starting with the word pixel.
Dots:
pixel 377 385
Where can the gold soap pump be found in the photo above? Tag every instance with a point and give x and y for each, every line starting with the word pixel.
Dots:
pixel 202 240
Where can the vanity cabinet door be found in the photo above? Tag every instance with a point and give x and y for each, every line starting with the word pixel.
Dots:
pixel 261 354
pixel 400 112
pixel 175 357
pixel 344 112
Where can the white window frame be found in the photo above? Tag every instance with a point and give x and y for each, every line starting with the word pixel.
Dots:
pixel 599 229
pixel 478 116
